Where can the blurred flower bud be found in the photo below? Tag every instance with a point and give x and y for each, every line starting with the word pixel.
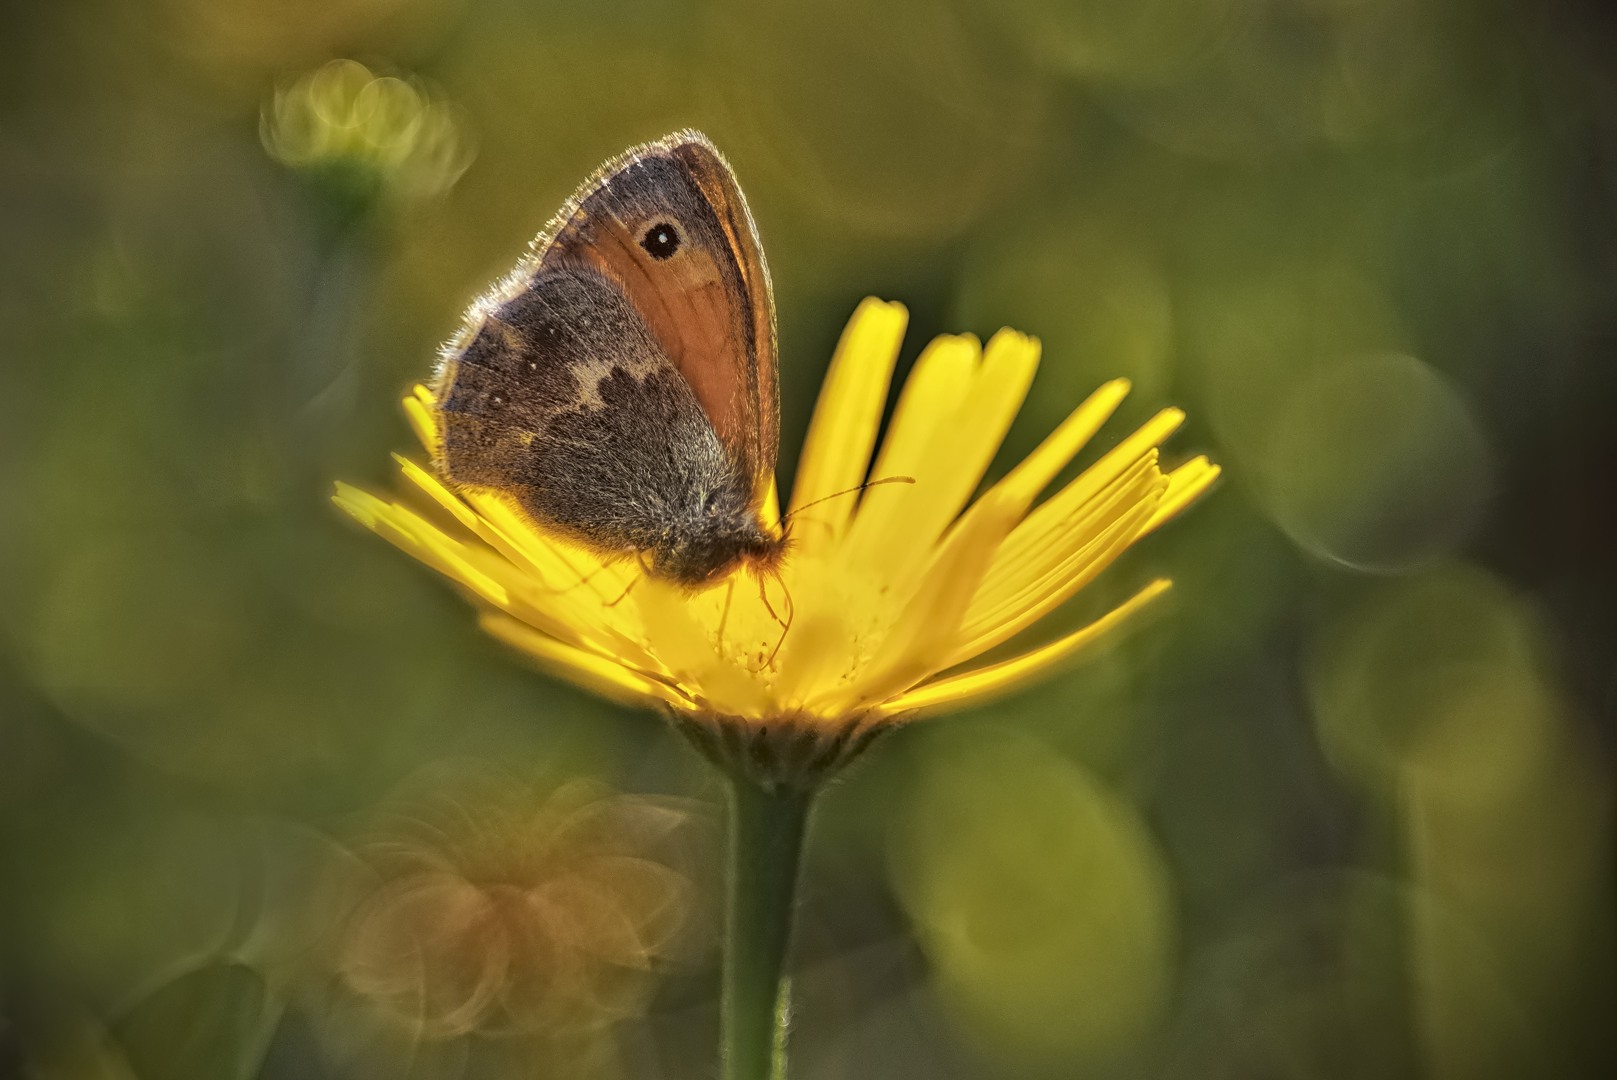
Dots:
pixel 500 913
pixel 363 137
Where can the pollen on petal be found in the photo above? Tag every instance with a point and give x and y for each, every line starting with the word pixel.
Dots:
pixel 816 656
pixel 680 639
pixel 922 635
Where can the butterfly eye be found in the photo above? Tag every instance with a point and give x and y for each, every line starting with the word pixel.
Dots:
pixel 661 240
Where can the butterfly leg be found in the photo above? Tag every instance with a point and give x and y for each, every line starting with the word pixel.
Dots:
pixel 629 587
pixel 724 616
pixel 584 578
pixel 763 595
pixel 785 624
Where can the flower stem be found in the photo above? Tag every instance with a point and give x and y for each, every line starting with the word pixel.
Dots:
pixel 766 844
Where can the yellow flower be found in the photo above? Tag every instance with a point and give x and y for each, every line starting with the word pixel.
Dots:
pixel 387 132
pixel 492 910
pixel 885 598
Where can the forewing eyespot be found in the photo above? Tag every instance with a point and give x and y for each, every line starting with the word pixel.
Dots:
pixel 661 240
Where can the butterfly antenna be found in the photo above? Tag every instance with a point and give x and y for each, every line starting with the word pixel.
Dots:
pixel 848 491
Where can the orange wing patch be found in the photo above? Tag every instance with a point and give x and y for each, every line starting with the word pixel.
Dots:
pixel 709 303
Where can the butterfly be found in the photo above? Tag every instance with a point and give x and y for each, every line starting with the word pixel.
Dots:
pixel 620 383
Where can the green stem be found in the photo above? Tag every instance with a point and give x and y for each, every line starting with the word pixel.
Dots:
pixel 766 844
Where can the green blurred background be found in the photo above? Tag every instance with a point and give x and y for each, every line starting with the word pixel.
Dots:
pixel 1342 810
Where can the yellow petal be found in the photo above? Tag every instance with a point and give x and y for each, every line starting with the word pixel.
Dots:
pixel 683 645
pixel 1036 471
pixel 1055 588
pixel 494 580
pixel 815 657
pixel 1048 515
pixel 544 577
pixel 419 409
pixel 975 687
pixel 422 539
pixel 580 585
pixel 1014 569
pixel 545 588
pixel 1186 484
pixel 944 376
pixel 356 503
pixel 563 594
pixel 922 636
pixel 846 419
pixel 604 676
pixel 941 381
pixel 436 491
pixel 900 521
pixel 554 565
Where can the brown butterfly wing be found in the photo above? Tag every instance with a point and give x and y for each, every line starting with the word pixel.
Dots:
pixel 708 301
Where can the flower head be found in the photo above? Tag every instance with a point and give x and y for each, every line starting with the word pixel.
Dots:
pixel 886 596
pixel 373 135
pixel 495 911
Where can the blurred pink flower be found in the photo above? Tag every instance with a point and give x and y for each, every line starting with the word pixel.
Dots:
pixel 505 913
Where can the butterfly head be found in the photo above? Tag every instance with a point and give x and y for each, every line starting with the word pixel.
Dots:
pixel 714 543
